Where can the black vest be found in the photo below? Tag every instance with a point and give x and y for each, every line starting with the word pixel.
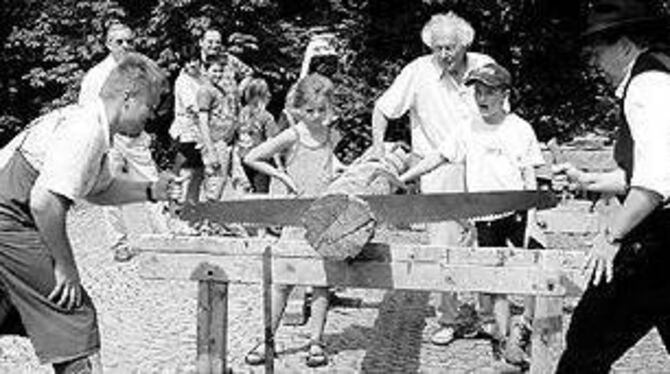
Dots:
pixel 623 148
pixel 653 228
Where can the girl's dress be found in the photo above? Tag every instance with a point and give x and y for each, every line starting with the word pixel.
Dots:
pixel 310 165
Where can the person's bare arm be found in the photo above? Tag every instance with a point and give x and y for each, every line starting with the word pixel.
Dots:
pixel 613 181
pixel 49 211
pixel 258 157
pixel 379 126
pixel 122 191
pixel 427 164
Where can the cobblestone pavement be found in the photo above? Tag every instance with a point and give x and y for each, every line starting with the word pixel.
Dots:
pixel 149 326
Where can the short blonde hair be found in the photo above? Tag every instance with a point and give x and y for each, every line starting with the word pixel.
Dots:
pixel 135 74
pixel 450 22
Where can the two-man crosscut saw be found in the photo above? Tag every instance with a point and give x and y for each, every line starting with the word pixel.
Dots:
pixel 394 209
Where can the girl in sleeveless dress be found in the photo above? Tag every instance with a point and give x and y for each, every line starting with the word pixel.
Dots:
pixel 309 168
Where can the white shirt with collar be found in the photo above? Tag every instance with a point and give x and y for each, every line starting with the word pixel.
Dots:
pixel 441 111
pixel 646 103
pixel 68 147
pixel 440 108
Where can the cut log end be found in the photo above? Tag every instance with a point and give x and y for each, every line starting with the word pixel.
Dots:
pixel 338 226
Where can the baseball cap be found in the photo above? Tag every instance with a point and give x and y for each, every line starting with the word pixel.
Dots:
pixel 491 74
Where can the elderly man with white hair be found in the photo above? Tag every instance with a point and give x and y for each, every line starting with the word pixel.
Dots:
pixel 441 110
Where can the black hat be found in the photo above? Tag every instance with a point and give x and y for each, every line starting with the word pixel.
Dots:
pixel 491 74
pixel 609 15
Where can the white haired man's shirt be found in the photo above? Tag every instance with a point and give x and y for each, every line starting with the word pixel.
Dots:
pixel 441 110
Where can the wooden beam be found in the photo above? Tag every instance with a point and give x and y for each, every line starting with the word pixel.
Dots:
pixel 428 268
pixel 547 336
pixel 591 160
pixel 378 252
pixel 569 221
pixel 212 322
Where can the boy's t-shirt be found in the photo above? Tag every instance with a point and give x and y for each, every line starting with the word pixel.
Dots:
pixel 496 154
pixel 222 121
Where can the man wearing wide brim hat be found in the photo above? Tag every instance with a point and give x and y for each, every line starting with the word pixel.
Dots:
pixel 629 285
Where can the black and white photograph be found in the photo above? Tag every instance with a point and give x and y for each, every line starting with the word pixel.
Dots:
pixel 334 186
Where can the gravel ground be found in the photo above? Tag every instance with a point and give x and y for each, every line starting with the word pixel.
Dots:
pixel 149 326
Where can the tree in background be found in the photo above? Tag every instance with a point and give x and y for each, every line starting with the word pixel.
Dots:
pixel 47 47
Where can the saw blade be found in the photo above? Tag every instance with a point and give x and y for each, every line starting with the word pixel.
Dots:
pixel 394 209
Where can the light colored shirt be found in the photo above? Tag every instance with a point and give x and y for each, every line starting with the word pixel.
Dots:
pixel 497 155
pixel 440 111
pixel 68 148
pixel 646 111
pixel 222 123
pixel 185 126
pixel 440 108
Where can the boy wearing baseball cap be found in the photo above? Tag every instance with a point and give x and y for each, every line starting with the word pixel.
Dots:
pixel 502 154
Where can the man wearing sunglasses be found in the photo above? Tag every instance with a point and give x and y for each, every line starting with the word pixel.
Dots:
pixel 130 157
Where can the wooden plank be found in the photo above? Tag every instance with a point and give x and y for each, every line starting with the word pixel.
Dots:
pixel 405 275
pixel 212 323
pixel 377 252
pixel 547 338
pixel 267 311
pixel 568 221
pixel 590 160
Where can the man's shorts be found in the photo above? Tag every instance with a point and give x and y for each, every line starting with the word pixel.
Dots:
pixel 26 279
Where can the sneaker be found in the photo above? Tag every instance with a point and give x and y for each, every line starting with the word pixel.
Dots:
pixel 517 345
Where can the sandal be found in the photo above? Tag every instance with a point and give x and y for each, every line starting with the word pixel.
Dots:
pixel 443 336
pixel 256 355
pixel 316 357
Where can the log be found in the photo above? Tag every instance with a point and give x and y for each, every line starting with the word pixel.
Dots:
pixel 339 224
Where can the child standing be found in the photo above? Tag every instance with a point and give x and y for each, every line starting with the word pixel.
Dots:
pixel 256 125
pixel 310 166
pixel 502 153
pixel 217 127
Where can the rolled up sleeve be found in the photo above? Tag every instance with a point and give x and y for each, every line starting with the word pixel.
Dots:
pixel 646 109
pixel 399 97
pixel 74 161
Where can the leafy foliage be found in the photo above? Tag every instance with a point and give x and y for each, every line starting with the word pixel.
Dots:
pixel 47 47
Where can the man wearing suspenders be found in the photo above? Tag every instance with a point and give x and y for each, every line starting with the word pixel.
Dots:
pixel 629 286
